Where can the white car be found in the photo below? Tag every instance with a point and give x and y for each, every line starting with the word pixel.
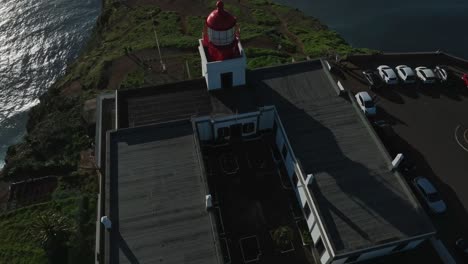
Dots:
pixel 406 74
pixel 441 73
pixel 366 103
pixel 387 74
pixel 430 195
pixel 425 74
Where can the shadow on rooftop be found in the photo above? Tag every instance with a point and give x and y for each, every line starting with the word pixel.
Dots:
pixel 321 153
pixel 122 244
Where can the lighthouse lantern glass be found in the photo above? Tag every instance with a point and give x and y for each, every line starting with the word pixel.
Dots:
pixel 221 38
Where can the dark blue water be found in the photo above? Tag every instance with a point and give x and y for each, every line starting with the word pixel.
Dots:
pixel 395 26
pixel 37 40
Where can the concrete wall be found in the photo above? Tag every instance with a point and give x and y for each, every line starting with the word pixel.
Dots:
pixel 266 119
pixel 204 60
pixel 301 194
pixel 205 130
pixel 302 198
pixel 289 162
pixel 207 127
pixel 212 70
pixel 325 257
pixel 376 253
pixel 301 188
pixel 339 261
pixel 315 233
pixel 381 252
pixel 413 244
pixel 279 140
pixel 236 120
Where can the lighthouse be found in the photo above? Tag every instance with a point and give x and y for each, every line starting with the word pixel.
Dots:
pixel 222 56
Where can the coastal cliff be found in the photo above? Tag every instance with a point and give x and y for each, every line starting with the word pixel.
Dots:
pixel 121 54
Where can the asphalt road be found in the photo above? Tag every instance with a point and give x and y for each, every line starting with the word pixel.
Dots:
pixel 430 124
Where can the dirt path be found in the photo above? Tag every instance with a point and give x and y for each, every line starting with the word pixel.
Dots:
pixel 285 30
pixel 183 23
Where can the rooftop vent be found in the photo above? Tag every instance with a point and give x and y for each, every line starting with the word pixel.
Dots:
pixel 397 160
pixel 208 202
pixel 106 222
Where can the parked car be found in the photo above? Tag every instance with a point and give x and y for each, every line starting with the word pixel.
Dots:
pixel 462 246
pixel 387 74
pixel 465 79
pixel 425 74
pixel 406 74
pixel 366 103
pixel 441 73
pixel 429 194
pixel 370 78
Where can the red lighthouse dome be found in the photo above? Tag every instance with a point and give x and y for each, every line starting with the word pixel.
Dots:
pixel 220 19
pixel 220 35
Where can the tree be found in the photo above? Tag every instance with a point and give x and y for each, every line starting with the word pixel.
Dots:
pixel 52 231
pixel 283 237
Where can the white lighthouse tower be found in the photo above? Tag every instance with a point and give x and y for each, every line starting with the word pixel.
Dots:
pixel 222 56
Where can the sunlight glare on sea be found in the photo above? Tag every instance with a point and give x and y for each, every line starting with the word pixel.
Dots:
pixel 37 40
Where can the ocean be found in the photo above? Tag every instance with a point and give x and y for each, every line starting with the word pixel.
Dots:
pixel 394 26
pixel 37 41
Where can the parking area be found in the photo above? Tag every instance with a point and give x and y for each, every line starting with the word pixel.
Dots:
pixel 428 123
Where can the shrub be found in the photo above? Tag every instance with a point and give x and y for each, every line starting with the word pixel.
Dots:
pixel 283 236
pixel 265 18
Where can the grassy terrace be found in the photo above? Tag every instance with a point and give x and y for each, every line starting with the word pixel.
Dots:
pixel 22 231
pixel 117 56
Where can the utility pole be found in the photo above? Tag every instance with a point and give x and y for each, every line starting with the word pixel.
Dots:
pixel 163 66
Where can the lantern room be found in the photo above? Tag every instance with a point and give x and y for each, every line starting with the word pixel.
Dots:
pixel 222 56
pixel 220 34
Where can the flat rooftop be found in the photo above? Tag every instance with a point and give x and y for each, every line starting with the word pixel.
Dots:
pixel 174 101
pixel 156 197
pixel 361 203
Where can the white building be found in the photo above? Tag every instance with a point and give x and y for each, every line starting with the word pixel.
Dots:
pixel 222 56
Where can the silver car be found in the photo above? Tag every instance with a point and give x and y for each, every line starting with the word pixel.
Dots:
pixel 441 73
pixel 406 74
pixel 387 74
pixel 426 75
pixel 366 103
pixel 430 195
